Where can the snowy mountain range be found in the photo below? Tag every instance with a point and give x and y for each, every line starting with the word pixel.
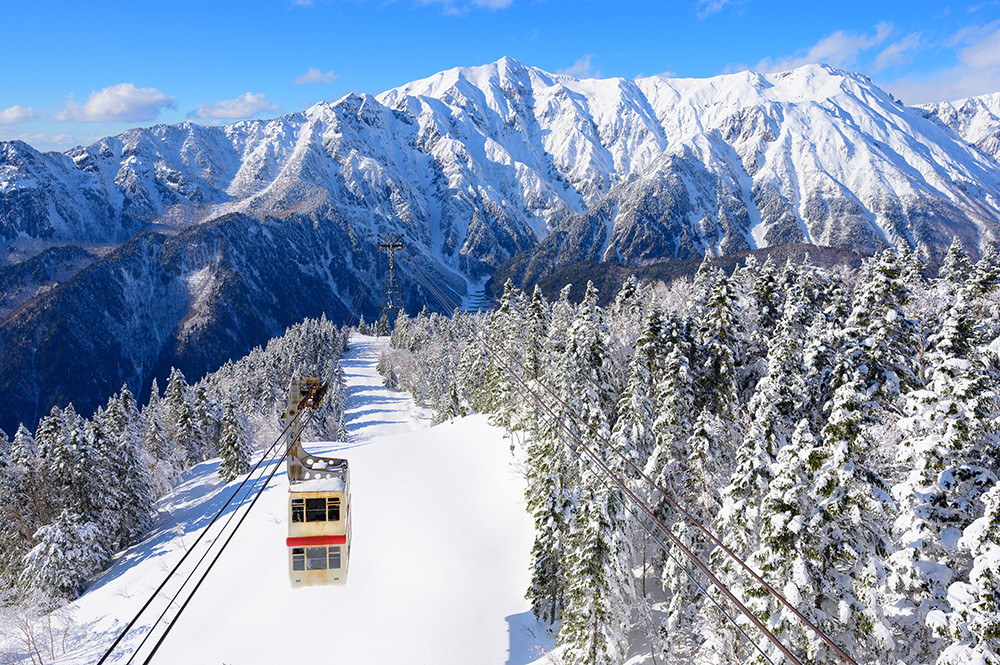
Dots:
pixel 975 119
pixel 220 236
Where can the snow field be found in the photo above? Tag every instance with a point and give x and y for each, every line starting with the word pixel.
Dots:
pixel 439 564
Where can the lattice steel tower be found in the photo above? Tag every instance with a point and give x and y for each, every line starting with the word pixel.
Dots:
pixel 390 243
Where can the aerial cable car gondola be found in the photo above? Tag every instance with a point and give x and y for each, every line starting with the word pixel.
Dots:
pixel 319 496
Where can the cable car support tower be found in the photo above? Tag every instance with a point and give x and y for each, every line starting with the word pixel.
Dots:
pixel 392 301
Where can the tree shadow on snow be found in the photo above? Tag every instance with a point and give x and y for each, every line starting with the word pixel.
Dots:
pixel 529 639
pixel 183 512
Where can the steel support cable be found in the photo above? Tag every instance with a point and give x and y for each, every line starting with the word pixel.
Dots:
pixel 208 549
pixel 260 492
pixel 629 493
pixel 177 566
pixel 697 524
pixel 687 571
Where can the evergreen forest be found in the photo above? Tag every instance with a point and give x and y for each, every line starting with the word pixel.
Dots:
pixel 822 440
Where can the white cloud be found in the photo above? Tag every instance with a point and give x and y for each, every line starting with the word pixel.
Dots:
pixel 983 53
pixel 246 105
pixel 977 71
pixel 45 142
pixel 15 114
pixel 839 48
pixel 456 7
pixel 582 68
pixel 117 103
pixel 897 52
pixel 708 7
pixel 314 75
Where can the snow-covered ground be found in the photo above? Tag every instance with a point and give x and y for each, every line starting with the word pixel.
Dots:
pixel 440 556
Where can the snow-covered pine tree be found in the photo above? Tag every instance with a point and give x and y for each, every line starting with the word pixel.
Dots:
pixel 881 335
pixel 778 411
pixel 848 535
pixel 973 622
pixel 718 351
pixel 129 472
pixel 69 551
pixel 946 465
pixel 234 445
pixel 956 266
pixel 599 588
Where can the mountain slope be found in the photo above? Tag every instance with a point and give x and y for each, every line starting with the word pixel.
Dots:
pixel 473 166
pixel 440 555
pixel 975 119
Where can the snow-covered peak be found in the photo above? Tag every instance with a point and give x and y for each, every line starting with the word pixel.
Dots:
pixel 975 119
pixel 482 162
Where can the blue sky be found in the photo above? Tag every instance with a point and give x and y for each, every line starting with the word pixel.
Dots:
pixel 77 71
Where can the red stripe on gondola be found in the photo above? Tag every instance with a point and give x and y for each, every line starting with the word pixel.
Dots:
pixel 316 540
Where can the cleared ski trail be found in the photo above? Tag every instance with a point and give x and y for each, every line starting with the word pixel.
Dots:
pixel 439 565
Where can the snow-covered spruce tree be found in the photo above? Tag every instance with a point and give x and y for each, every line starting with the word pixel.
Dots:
pixel 76 467
pixel 633 435
pixel 600 589
pixel 553 470
pixel 597 560
pixel 956 267
pixel 480 371
pixel 973 619
pixel 8 525
pixel 700 498
pixel 766 303
pixel 986 276
pixel 550 473
pixel 163 461
pixel 718 350
pixel 626 319
pixel 179 420
pixel 504 332
pixel 234 444
pixel 848 535
pixel 536 328
pixel 782 554
pixel 673 420
pixel 69 551
pixel 669 465
pixel 207 419
pixel 633 432
pixel 778 409
pixel 129 474
pixel 947 464
pixel 23 504
pixel 879 331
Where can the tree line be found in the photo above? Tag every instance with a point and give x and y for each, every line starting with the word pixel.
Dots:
pixel 836 429
pixel 78 490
